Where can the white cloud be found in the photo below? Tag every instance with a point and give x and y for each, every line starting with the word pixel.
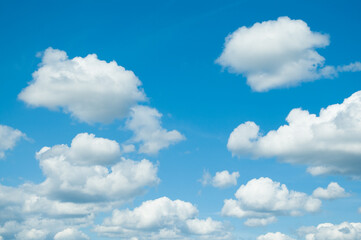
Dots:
pixel 77 185
pixel 222 179
pixel 86 149
pixel 87 181
pixel 8 138
pixel 329 231
pixel 255 222
pixel 260 200
pixel 70 234
pixel 275 54
pixel 352 67
pixel 160 218
pixel 274 236
pixel 146 125
pixel 329 143
pixel 333 191
pixel 89 89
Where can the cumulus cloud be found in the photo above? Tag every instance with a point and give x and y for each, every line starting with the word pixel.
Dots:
pixel 90 89
pixel 333 191
pixel 70 234
pixel 70 176
pixel 278 53
pixel 222 179
pixel 161 218
pixel 329 143
pixel 329 231
pixel 275 54
pixel 261 200
pixel 146 125
pixel 8 138
pixel 274 236
pixel 78 184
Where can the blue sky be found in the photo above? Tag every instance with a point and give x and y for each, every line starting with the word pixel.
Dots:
pixel 193 104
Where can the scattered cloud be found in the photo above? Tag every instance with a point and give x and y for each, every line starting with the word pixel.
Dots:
pixel 329 143
pixel 333 191
pixel 71 234
pixel 90 89
pixel 161 218
pixel 74 176
pixel 352 67
pixel 261 200
pixel 329 231
pixel 275 54
pixel 78 184
pixel 274 236
pixel 146 125
pixel 278 53
pixel 8 138
pixel 222 179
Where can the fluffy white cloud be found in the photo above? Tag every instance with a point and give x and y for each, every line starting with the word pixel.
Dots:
pixel 89 89
pixel 146 125
pixel 221 179
pixel 332 191
pixel 78 184
pixel 274 236
pixel 329 143
pixel 8 138
pixel 86 149
pixel 260 200
pixel 160 218
pixel 329 231
pixel 275 54
pixel 70 234
pixel 71 177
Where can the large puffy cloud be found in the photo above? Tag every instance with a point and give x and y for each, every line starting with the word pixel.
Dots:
pixel 275 236
pixel 278 53
pixel 260 200
pixel 329 143
pixel 73 174
pixel 78 184
pixel 161 218
pixel 8 138
pixel 89 89
pixel 222 179
pixel 146 125
pixel 333 191
pixel 275 54
pixel 329 231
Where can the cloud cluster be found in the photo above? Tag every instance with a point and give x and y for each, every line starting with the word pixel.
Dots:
pixel 8 138
pixel 81 180
pixel 329 231
pixel 274 236
pixel 161 218
pixel 146 125
pixel 329 143
pixel 222 179
pixel 333 191
pixel 275 54
pixel 261 200
pixel 90 89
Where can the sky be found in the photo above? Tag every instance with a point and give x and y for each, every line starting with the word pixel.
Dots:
pixel 231 119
